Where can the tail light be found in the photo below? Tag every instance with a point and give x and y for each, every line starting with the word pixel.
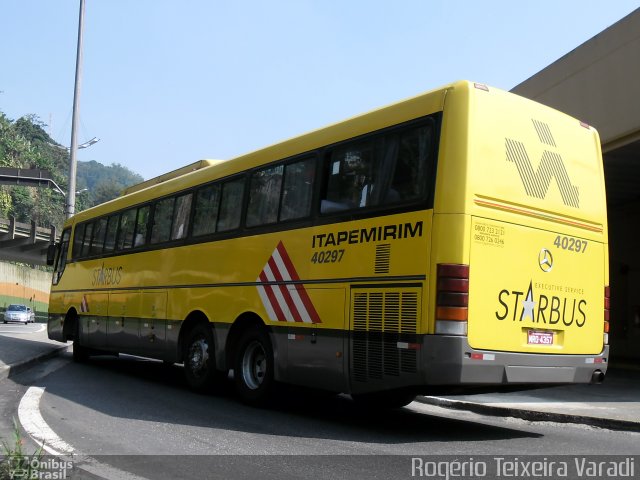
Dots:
pixel 452 302
pixel 607 303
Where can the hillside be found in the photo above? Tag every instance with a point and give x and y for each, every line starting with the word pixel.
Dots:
pixel 25 144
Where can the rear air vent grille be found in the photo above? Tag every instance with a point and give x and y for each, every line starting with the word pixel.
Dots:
pixel 382 320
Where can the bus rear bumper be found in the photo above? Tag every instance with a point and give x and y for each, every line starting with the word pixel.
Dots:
pixel 450 360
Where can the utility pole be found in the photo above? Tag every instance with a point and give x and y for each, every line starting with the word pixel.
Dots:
pixel 73 162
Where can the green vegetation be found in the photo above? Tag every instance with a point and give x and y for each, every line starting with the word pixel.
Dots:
pixel 15 463
pixel 25 144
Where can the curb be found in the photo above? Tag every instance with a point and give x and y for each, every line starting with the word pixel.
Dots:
pixel 8 371
pixel 531 415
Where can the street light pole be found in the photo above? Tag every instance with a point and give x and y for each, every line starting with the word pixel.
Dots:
pixel 73 162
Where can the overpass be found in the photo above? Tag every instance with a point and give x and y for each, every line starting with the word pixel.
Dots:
pixel 22 242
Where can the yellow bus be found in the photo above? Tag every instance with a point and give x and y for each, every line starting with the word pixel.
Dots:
pixel 457 238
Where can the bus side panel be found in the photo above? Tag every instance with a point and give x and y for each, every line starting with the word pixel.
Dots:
pixel 315 356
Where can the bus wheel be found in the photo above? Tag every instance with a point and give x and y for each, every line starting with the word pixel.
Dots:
pixel 199 359
pixel 385 399
pixel 253 367
pixel 80 353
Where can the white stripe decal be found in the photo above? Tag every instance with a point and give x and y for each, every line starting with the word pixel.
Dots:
pixel 267 304
pixel 293 291
pixel 278 294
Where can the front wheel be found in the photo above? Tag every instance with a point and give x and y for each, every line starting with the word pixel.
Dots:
pixel 253 367
pixel 80 352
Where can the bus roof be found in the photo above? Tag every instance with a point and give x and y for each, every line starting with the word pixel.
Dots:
pixel 170 175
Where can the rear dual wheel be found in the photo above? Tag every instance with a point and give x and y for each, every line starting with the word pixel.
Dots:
pixel 199 359
pixel 254 367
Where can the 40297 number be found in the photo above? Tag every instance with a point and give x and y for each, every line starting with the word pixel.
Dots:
pixel 570 243
pixel 327 256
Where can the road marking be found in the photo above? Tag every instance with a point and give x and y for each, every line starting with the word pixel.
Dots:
pixel 36 427
pixel 33 423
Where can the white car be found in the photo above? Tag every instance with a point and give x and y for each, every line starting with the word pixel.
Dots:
pixel 17 313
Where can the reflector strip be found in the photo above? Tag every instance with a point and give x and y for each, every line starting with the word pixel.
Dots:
pixel 594 360
pixel 408 346
pixel 483 356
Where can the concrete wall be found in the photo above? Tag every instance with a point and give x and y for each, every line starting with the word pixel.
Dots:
pixel 598 83
pixel 22 284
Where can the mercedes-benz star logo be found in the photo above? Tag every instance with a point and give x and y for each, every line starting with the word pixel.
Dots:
pixel 545 260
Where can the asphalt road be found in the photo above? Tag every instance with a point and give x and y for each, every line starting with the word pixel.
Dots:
pixel 134 416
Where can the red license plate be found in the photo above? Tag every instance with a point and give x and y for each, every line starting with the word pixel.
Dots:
pixel 539 338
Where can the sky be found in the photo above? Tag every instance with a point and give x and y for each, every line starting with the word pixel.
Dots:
pixel 167 82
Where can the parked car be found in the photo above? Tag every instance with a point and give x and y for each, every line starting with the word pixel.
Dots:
pixel 18 313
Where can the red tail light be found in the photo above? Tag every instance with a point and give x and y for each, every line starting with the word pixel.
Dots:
pixel 452 300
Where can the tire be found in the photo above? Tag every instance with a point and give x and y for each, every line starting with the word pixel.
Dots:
pixel 254 368
pixel 80 352
pixel 386 399
pixel 199 359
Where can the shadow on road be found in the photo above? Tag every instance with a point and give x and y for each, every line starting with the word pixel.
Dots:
pixel 139 389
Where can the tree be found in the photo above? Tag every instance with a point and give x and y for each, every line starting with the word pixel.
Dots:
pixel 25 144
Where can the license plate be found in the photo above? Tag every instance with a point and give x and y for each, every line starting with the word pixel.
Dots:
pixel 539 338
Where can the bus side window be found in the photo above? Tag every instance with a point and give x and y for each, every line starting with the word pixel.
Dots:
pixel 78 235
pixel 142 221
pixel 264 196
pixel 350 177
pixel 298 189
pixel 86 243
pixel 61 260
pixel 112 230
pixel 231 205
pixel 206 210
pixel 99 231
pixel 181 217
pixel 162 217
pixel 409 177
pixel 125 232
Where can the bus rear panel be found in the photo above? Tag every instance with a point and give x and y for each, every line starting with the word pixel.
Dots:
pixel 535 242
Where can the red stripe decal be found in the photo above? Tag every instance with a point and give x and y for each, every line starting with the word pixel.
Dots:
pixel 272 298
pixel 304 296
pixel 284 290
